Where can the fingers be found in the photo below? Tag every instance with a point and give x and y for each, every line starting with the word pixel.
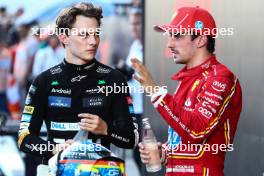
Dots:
pixel 137 78
pixel 87 115
pixel 144 155
pixel 137 65
pixel 92 123
pixel 140 145
pixel 141 70
pixel 69 141
pixel 88 126
pixel 88 120
pixel 135 61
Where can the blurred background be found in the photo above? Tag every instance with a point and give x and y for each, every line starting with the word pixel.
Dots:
pixel 127 31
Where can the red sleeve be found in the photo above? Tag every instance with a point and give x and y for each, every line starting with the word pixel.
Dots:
pixel 207 115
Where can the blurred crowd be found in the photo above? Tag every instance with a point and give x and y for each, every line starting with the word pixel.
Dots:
pixel 22 57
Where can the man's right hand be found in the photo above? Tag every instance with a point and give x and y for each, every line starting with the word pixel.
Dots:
pixel 144 154
pixel 63 146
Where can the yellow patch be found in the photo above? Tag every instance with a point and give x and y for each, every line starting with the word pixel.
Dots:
pixel 195 84
pixel 29 109
pixel 22 136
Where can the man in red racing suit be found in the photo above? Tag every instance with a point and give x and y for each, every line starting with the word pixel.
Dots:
pixel 203 112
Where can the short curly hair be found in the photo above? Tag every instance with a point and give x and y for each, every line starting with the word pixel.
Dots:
pixel 67 16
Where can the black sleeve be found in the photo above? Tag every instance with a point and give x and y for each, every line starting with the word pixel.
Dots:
pixel 31 121
pixel 124 130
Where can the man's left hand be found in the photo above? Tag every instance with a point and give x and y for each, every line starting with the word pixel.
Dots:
pixel 93 123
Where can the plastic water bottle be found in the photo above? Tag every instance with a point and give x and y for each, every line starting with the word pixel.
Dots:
pixel 82 135
pixel 151 145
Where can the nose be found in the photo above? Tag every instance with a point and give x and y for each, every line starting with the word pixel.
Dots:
pixel 92 40
pixel 171 42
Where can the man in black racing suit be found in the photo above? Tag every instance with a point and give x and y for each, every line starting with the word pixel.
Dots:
pixel 71 96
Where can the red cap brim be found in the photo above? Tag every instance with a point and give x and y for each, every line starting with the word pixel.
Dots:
pixel 159 28
pixel 164 28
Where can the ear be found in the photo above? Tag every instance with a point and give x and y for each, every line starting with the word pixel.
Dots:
pixel 64 39
pixel 202 41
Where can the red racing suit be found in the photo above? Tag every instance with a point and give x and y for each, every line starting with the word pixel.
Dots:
pixel 202 115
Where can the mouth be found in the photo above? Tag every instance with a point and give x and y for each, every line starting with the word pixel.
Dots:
pixel 91 50
pixel 174 53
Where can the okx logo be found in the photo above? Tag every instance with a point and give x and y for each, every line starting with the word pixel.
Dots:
pixel 100 82
pixel 54 83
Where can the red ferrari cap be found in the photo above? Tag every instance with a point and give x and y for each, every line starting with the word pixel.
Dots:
pixel 190 19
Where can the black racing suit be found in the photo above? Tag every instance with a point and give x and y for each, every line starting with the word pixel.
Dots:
pixel 59 94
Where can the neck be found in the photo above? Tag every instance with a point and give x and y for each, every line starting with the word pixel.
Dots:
pixel 198 59
pixel 70 58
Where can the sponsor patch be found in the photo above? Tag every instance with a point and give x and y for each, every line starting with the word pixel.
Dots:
pixel 32 89
pixel 102 70
pixel 26 118
pixel 54 83
pixel 24 125
pixel 22 136
pixel 188 102
pixel 92 101
pixel 21 131
pixel 199 25
pixel 92 91
pixel 119 137
pixel 28 100
pixel 218 86
pixel 57 126
pixel 195 84
pixel 61 91
pixel 173 139
pixel 188 109
pixel 210 100
pixel 55 70
pixel 78 78
pixel 213 95
pixel 63 102
pixel 206 113
pixel 101 82
pixel 181 168
pixel 206 65
pixel 28 109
